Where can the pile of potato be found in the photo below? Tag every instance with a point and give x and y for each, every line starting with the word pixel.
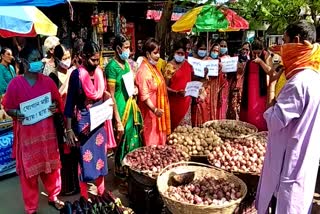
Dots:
pixel 231 129
pixel 195 141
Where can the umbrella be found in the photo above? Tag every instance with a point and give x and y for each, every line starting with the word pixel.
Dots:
pixel 27 21
pixel 39 3
pixel 210 18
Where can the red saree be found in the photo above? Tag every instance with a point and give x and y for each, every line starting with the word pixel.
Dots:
pixel 256 104
pixel 179 106
pixel 35 146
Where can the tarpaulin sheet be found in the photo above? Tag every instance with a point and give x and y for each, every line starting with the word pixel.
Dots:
pixel 38 3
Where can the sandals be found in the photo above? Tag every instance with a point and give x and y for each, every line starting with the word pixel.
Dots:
pixel 57 204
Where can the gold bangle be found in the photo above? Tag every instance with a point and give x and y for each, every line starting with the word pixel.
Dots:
pixel 69 130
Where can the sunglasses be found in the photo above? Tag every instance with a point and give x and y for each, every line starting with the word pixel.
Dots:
pixel 223 46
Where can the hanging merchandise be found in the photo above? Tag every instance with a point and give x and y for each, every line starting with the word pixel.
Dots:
pixel 94 19
pixel 100 23
pixel 123 25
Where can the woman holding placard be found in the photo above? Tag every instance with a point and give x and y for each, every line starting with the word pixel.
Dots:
pixel 35 145
pixel 153 97
pixel 127 115
pixel 86 92
pixel 178 73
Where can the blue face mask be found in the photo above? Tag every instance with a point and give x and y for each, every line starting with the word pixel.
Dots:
pixel 202 53
pixel 36 67
pixel 214 55
pixel 179 58
pixel 125 55
pixel 223 50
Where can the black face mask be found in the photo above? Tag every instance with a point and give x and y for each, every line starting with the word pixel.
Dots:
pixel 91 67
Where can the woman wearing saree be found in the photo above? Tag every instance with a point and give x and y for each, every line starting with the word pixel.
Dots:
pixel 35 147
pixel 254 97
pixel 204 108
pixel 178 73
pixel 154 103
pixel 86 90
pixel 126 112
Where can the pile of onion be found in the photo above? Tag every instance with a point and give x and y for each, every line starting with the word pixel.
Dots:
pixel 240 155
pixel 195 141
pixel 206 191
pixel 152 159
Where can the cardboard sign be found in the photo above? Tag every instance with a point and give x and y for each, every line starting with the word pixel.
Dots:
pixel 99 114
pixel 199 66
pixel 36 109
pixel 229 64
pixel 193 88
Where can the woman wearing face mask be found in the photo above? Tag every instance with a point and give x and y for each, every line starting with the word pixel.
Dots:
pixel 35 146
pixel 177 74
pixel 254 96
pixel 223 48
pixel 7 72
pixel 201 49
pixel 204 107
pixel 153 97
pixel 87 89
pixel 69 155
pixel 236 83
pixel 127 115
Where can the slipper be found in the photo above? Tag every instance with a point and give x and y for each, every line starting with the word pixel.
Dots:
pixel 57 204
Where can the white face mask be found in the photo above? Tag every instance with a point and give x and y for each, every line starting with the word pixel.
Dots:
pixel 65 64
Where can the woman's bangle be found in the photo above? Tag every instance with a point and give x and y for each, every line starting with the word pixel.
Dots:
pixel 69 130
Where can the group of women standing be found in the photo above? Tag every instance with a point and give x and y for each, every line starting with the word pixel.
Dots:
pixel 147 104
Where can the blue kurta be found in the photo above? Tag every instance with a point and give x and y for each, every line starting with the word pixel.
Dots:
pixel 6 75
pixel 93 161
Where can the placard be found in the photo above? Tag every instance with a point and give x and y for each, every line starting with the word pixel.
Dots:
pixel 36 109
pixel 99 114
pixel 128 80
pixel 229 64
pixel 193 88
pixel 199 66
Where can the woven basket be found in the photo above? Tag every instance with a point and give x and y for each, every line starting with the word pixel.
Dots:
pixel 232 123
pixel 200 170
pixel 143 175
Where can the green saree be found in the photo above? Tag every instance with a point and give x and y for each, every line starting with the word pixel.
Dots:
pixel 129 113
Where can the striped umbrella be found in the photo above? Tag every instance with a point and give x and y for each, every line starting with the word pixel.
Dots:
pixel 26 21
pixel 209 18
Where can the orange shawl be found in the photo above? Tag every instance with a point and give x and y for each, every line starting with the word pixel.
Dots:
pixel 298 56
pixel 162 99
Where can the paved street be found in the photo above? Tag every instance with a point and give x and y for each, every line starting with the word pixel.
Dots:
pixel 11 200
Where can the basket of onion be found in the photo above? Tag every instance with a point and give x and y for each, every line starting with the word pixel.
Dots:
pixel 145 163
pixel 244 158
pixel 211 190
pixel 244 155
pixel 231 129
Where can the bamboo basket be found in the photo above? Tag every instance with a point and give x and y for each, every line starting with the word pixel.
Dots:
pixel 201 170
pixel 232 123
pixel 145 176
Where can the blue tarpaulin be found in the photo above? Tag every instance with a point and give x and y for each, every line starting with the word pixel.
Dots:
pixel 37 3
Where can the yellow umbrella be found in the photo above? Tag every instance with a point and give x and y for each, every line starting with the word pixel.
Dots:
pixel 26 21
